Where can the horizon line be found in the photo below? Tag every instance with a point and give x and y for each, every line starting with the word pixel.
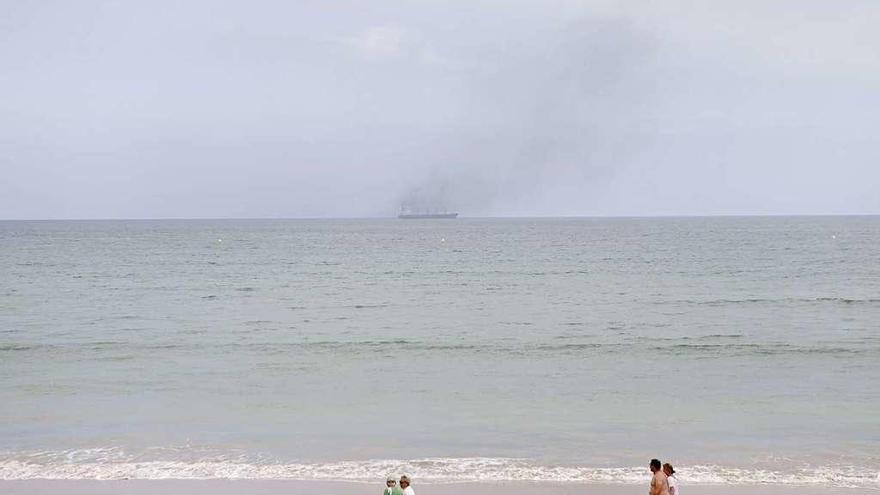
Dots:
pixel 493 217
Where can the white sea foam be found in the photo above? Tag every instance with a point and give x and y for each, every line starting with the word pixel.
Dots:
pixel 63 465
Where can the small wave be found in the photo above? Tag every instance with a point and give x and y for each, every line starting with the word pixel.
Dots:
pixel 708 346
pixel 845 300
pixel 105 343
pixel 760 300
pixel 431 470
pixel 572 347
pixel 351 345
pixel 17 347
pixel 761 349
pixel 452 347
pixel 161 347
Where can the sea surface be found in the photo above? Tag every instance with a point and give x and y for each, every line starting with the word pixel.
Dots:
pixel 742 350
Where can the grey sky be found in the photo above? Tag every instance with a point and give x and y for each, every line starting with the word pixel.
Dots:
pixel 334 108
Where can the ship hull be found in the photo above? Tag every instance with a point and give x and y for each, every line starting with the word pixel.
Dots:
pixel 426 216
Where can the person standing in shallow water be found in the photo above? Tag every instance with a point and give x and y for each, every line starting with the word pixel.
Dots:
pixel 391 487
pixel 671 479
pixel 405 485
pixel 659 482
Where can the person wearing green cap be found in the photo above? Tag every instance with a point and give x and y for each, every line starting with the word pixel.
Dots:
pixel 391 487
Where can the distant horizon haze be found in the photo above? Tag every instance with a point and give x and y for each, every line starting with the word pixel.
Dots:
pixel 338 109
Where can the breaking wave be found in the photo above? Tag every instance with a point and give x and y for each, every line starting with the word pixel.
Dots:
pixel 77 465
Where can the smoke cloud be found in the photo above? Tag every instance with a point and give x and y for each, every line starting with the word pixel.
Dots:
pixel 337 108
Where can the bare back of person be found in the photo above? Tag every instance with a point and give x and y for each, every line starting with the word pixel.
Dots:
pixel 659 484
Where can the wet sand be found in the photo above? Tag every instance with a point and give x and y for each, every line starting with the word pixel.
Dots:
pixel 269 487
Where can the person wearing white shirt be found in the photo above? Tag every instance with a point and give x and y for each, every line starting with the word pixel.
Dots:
pixel 405 484
pixel 671 479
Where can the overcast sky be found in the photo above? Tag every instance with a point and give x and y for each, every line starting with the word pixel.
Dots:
pixel 208 108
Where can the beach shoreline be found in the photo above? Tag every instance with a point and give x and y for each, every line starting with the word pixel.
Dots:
pixel 267 487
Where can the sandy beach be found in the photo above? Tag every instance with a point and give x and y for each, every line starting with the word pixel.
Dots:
pixel 267 487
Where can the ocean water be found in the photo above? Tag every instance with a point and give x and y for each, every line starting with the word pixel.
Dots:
pixel 742 350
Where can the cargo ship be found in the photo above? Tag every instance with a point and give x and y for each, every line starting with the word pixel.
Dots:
pixel 409 213
pixel 417 216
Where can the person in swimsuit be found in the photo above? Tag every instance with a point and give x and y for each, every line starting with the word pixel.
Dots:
pixel 659 482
